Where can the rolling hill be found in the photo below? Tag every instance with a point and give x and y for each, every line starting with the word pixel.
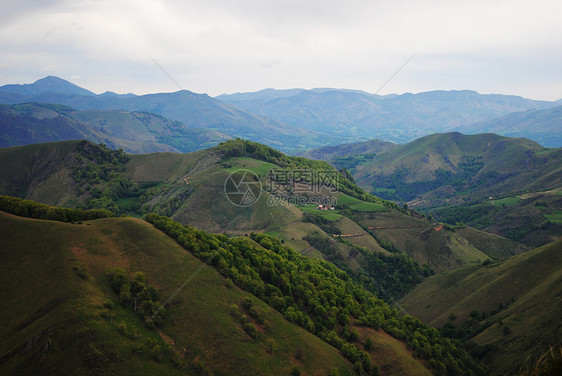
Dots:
pixel 192 109
pixel 503 185
pixel 513 306
pixel 182 186
pixel 378 246
pixel 57 320
pixel 394 118
pixel 134 132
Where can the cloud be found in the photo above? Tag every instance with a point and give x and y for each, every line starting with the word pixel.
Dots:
pixel 229 46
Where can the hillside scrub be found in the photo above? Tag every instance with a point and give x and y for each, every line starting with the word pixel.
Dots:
pixel 317 296
pixel 31 209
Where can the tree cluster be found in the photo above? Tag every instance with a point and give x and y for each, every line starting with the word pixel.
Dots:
pixel 32 209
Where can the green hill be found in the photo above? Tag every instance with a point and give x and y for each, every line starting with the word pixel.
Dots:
pixel 511 305
pixel 67 319
pixel 53 317
pixel 478 180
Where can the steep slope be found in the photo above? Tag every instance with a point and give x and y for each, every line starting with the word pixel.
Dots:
pixel 513 305
pixel 543 126
pixel 54 318
pixel 395 118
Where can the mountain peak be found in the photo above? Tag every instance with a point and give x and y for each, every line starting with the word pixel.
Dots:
pixel 47 84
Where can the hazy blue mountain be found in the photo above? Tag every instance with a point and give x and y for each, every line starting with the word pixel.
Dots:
pixel 135 132
pixel 395 118
pixel 193 110
pixel 47 84
pixel 542 126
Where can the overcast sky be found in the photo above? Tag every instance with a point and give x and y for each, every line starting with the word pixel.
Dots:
pixel 214 47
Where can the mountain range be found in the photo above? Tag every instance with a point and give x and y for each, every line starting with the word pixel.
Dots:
pixel 296 120
pixel 191 109
pixel 396 118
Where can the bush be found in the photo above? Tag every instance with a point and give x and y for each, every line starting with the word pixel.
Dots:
pixel 81 270
pixel 250 329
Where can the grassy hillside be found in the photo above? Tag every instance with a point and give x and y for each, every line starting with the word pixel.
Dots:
pixel 53 320
pixel 512 305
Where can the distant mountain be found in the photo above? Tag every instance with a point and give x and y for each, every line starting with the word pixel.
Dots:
pixel 134 132
pixel 542 126
pixel 395 118
pixel 193 110
pixel 49 84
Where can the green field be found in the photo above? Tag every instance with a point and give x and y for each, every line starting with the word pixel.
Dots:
pixel 257 167
pixel 506 202
pixel 556 216
pixel 359 205
pixel 330 215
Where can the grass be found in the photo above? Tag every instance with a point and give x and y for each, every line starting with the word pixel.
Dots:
pixel 556 216
pixel 44 291
pixel 330 215
pixel 359 205
pixel 507 202
pixel 257 167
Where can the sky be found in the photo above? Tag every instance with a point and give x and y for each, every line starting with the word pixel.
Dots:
pixel 214 47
